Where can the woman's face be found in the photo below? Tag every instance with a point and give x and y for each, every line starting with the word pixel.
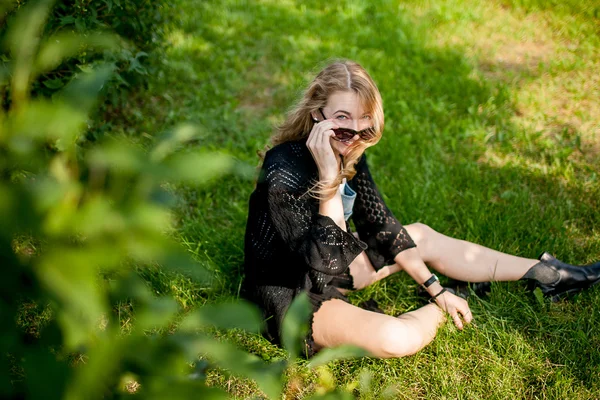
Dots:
pixel 346 110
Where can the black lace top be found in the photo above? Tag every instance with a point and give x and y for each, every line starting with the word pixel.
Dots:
pixel 290 247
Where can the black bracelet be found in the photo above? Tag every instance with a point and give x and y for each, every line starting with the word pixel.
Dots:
pixel 430 281
pixel 432 299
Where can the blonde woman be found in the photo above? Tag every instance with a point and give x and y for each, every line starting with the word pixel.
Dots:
pixel 298 239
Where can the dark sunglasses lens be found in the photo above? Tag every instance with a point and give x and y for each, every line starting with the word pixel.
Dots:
pixel 367 134
pixel 344 134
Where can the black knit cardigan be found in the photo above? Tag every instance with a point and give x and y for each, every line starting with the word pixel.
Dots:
pixel 291 248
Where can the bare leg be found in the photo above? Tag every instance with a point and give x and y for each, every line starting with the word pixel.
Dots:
pixel 459 259
pixel 338 322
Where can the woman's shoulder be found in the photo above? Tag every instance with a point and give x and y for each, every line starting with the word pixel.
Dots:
pixel 287 150
pixel 289 161
pixel 293 155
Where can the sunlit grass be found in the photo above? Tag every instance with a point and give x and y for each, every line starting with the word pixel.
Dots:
pixel 492 136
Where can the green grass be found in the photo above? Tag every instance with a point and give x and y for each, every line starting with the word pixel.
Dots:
pixel 492 136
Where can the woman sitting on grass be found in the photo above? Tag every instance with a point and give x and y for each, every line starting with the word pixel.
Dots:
pixel 298 239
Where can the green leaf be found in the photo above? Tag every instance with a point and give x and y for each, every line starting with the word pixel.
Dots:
pixel 178 261
pixel 64 45
pixel 46 375
pixel 198 168
pixel 294 327
pixel 171 140
pixel 156 314
pixel 268 376
pixel 342 352
pixel 334 395
pixel 118 155
pixel 240 315
pixel 5 7
pixel 539 295
pixel 83 90
pixel 22 40
pixel 161 389
pixel 4 75
pixel 88 381
pixel 53 83
pixel 97 217
pixel 45 120
pixel 70 276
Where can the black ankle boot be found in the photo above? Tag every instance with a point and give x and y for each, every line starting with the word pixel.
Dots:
pixel 557 278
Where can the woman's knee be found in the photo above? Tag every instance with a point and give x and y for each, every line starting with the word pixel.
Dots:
pixel 400 338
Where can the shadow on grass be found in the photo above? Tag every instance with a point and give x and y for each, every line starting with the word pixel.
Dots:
pixel 237 66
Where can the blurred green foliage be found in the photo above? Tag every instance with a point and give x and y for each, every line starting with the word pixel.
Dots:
pixel 76 223
pixel 138 24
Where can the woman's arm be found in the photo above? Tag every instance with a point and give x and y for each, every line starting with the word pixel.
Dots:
pixel 375 223
pixel 312 238
pixel 410 261
pixel 328 164
pixel 334 209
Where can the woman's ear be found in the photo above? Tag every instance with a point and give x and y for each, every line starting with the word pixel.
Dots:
pixel 313 115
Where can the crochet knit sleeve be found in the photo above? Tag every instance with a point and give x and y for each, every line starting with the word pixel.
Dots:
pixel 374 222
pixel 314 238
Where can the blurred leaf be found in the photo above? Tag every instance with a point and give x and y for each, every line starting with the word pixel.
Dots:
pixel 334 395
pixel 53 83
pixel 64 45
pixel 89 380
pixel 41 121
pixel 200 369
pixel 240 315
pixel 22 41
pixel 44 120
pixel 149 218
pixel 5 7
pixel 198 168
pixel 160 389
pixel 98 217
pixel 157 313
pixel 171 140
pixel 17 213
pixel 118 155
pixel 178 261
pixel 4 75
pixel 342 352
pixel 130 286
pixel 268 376
pixel 70 275
pixel 294 327
pixel 46 376
pixel 83 90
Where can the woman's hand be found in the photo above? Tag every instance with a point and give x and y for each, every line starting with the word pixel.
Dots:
pixel 454 306
pixel 319 145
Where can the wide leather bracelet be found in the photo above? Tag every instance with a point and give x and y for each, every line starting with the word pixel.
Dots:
pixel 432 299
pixel 430 281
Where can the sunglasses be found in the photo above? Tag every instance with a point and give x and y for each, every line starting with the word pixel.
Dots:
pixel 346 134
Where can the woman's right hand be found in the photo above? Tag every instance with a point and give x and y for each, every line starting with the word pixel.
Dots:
pixel 319 145
pixel 454 305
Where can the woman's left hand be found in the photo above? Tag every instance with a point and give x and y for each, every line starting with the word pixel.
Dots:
pixel 454 306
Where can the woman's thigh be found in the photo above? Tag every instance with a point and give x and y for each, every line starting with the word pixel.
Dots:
pixel 337 323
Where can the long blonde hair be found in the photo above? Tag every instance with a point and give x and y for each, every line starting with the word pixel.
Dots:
pixel 339 76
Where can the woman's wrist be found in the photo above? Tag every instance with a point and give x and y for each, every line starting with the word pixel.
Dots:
pixel 327 176
pixel 435 288
pixel 437 296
